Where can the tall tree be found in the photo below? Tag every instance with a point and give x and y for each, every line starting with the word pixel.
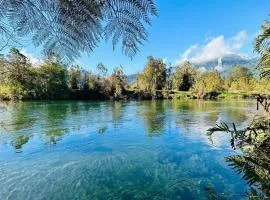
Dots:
pixel 210 83
pixel 184 77
pixel 153 77
pixel 238 72
pixel 17 75
pixel 53 79
pixel 102 70
pixel 119 81
pixel 75 76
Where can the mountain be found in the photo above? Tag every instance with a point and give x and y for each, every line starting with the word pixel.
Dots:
pixel 131 78
pixel 227 62
pixel 221 64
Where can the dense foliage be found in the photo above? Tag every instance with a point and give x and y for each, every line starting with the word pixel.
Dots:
pixel 262 46
pixel 51 79
pixel 254 141
pixel 239 81
pixel 184 77
pixel 209 83
pixel 152 78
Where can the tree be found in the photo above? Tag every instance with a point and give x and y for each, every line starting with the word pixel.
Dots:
pixel 119 82
pixel 169 76
pixel 102 70
pixel 184 77
pixel 209 84
pixel 74 79
pixel 262 86
pixel 239 79
pixel 242 85
pixel 17 75
pixel 238 72
pixel 17 67
pixel 53 80
pixel 153 77
pixel 69 28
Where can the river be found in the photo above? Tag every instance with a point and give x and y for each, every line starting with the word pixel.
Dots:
pixel 118 150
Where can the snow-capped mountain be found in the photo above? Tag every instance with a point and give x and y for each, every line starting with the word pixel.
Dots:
pixel 227 62
pixel 221 64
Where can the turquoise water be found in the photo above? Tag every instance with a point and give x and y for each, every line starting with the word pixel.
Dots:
pixel 118 150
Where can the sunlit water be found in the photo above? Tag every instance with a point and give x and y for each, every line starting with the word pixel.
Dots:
pixel 118 150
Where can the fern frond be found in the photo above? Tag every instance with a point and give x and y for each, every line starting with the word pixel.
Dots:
pixel 262 46
pixel 70 27
pixel 240 165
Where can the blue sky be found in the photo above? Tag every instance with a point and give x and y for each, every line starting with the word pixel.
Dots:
pixel 187 29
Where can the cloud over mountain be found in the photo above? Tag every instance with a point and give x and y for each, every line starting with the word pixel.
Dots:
pixel 215 49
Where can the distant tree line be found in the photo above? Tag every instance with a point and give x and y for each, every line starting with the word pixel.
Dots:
pixel 186 77
pixel 51 79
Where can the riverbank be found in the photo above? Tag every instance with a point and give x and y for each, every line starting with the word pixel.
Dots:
pixel 130 94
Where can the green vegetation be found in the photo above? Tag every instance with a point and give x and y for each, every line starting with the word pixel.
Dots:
pixel 209 85
pixel 19 79
pixel 239 82
pixel 51 79
pixel 184 77
pixel 152 78
pixel 254 142
pixel 262 46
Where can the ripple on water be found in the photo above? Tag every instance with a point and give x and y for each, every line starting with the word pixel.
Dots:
pixel 107 150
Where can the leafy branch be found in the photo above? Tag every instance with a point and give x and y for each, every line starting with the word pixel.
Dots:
pixel 69 28
pixel 255 143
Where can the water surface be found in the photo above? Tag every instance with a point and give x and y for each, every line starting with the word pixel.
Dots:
pixel 118 150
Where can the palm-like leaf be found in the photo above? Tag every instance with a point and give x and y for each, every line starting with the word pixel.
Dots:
pixel 262 46
pixel 241 165
pixel 70 27
pixel 254 164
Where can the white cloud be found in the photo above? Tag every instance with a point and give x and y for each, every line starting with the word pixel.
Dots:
pixel 215 48
pixel 202 69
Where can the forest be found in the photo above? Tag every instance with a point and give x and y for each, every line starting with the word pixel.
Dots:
pixel 52 79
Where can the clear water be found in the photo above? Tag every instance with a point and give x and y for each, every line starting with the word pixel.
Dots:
pixel 118 150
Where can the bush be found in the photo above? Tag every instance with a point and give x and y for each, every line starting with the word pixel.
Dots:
pixel 10 92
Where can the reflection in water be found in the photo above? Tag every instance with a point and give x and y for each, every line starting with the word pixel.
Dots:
pixel 117 113
pixel 153 113
pixel 19 141
pixel 102 129
pixel 14 120
pixel 55 114
pixel 106 150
